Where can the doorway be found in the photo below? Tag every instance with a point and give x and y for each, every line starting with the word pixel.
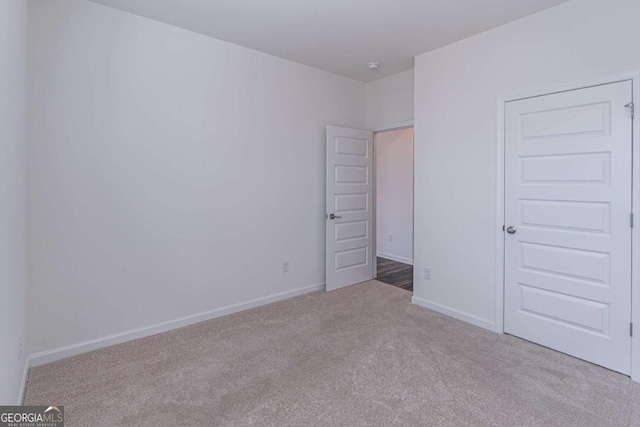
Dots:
pixel 394 206
pixel 568 224
pixel 351 251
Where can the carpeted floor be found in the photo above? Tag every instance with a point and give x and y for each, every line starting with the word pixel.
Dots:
pixel 363 355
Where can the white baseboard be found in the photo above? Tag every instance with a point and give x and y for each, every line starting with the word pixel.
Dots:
pixel 456 314
pixel 395 258
pixel 42 358
pixel 23 383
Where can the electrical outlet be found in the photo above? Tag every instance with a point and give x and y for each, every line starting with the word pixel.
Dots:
pixel 391 237
pixel 21 345
pixel 285 267
pixel 427 273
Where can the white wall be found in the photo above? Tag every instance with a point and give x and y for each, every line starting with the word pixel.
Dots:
pixel 390 100
pixel 171 173
pixel 456 120
pixel 394 194
pixel 13 240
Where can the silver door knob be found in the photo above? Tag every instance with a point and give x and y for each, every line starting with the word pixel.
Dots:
pixel 333 216
pixel 511 229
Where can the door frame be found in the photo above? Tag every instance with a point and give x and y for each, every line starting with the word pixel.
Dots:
pixel 394 126
pixel 634 77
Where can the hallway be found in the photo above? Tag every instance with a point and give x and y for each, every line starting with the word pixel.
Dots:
pixel 395 273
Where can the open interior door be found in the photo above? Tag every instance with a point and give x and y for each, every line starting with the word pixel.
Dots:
pixel 349 211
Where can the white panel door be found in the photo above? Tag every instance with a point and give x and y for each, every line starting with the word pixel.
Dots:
pixel 349 215
pixel 567 213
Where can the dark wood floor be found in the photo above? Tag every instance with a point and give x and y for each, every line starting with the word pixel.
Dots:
pixel 395 273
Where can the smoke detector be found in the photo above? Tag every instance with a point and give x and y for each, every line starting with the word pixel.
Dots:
pixel 373 65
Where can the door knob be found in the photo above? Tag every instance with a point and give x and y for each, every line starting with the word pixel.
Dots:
pixel 333 216
pixel 511 229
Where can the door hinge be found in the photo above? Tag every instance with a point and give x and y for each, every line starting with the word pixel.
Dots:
pixel 630 329
pixel 631 220
pixel 632 107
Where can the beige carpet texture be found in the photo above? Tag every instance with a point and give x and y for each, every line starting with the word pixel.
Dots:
pixel 359 356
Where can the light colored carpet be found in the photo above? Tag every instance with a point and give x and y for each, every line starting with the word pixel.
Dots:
pixel 363 355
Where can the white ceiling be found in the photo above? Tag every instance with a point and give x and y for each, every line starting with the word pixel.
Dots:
pixel 339 36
